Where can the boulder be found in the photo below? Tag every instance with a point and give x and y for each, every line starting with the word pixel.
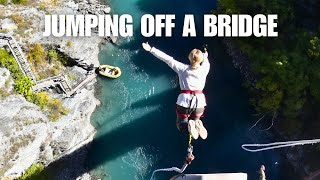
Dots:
pixel 8 24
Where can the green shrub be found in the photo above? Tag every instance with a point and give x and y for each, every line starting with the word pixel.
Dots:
pixel 42 59
pixel 52 55
pixel 22 83
pixel 69 43
pixel 23 86
pixel 42 6
pixel 4 2
pixel 16 18
pixel 20 2
pixel 37 55
pixel 3 93
pixel 34 172
pixel 71 76
pixel 21 22
pixel 41 99
pixel 55 2
pixel 52 105
pixel 56 109
pixel 8 61
pixel 6 83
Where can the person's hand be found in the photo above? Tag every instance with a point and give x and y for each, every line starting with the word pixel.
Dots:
pixel 205 54
pixel 189 158
pixel 146 46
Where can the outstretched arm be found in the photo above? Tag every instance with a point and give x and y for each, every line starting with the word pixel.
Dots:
pixel 173 64
pixel 205 64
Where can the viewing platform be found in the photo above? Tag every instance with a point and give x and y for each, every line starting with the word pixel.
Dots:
pixel 62 82
pixel 56 81
pixel 217 176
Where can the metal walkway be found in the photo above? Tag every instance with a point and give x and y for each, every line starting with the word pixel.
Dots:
pixel 62 82
pixel 44 84
pixel 59 80
pixel 88 79
pixel 18 54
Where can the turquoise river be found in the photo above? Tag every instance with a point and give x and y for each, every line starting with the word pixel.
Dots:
pixel 136 119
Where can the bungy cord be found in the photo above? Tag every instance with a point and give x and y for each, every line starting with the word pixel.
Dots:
pixel 277 145
pixel 183 168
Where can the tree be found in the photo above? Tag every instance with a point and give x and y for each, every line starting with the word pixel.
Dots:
pixel 287 68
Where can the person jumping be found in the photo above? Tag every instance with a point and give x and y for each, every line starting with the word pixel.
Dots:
pixel 191 101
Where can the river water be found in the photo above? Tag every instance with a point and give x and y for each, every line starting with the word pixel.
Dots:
pixel 136 120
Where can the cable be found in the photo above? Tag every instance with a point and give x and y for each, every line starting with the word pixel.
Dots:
pixel 277 145
pixel 190 147
pixel 170 169
pixel 183 168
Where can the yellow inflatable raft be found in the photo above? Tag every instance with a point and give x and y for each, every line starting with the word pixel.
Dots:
pixel 109 71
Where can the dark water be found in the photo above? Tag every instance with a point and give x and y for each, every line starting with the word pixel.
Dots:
pixel 136 121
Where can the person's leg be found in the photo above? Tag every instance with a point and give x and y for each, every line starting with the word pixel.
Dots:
pixel 185 125
pixel 182 119
pixel 197 113
pixel 198 123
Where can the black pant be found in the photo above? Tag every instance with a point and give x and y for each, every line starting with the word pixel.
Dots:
pixel 185 114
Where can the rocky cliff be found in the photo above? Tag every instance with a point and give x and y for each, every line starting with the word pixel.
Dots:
pixel 26 133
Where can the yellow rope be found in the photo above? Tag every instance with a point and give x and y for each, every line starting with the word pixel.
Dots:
pixel 190 139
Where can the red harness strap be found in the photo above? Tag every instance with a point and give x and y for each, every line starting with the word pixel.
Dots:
pixel 191 91
pixel 200 114
pixel 182 114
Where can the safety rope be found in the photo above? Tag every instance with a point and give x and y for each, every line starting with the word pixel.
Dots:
pixel 185 165
pixel 277 145
pixel 167 170
pixel 190 140
pixel 190 109
pixel 190 147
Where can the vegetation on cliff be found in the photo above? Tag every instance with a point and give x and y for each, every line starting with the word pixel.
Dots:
pixel 287 67
pixel 23 84
pixel 45 62
pixel 34 172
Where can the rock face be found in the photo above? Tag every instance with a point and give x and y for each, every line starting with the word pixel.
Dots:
pixel 23 129
pixel 26 134
pixel 81 49
pixel 92 7
pixel 6 82
pixel 8 24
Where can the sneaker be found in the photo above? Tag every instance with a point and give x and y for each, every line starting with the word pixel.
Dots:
pixel 201 129
pixel 192 129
